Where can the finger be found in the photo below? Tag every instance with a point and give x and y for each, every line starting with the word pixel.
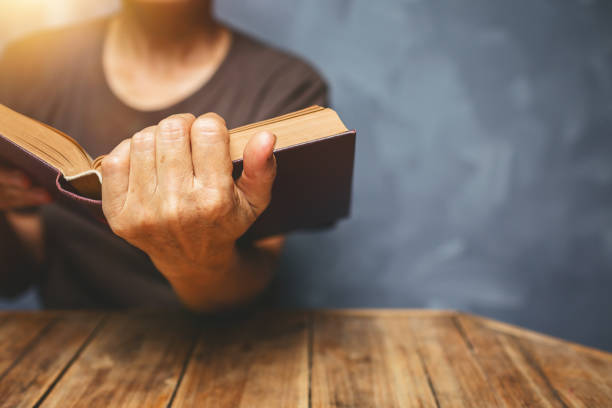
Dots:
pixel 14 178
pixel 115 178
pixel 212 165
pixel 12 198
pixel 143 178
pixel 173 152
pixel 37 195
pixel 259 171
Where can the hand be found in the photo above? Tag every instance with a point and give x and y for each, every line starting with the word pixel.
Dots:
pixel 169 191
pixel 16 191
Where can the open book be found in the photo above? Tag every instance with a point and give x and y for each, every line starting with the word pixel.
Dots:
pixel 314 152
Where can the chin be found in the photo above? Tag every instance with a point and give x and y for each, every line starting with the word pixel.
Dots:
pixel 167 1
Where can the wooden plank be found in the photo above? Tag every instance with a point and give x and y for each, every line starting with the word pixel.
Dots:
pixel 42 365
pixel 261 362
pixel 366 361
pixel 514 378
pixel 600 367
pixel 135 361
pixel 389 312
pixel 580 379
pixel 457 378
pixel 358 358
pixel 582 376
pixel 541 338
pixel 17 333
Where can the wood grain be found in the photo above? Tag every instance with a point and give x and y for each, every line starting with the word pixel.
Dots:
pixel 581 376
pixel 17 333
pixel 365 361
pixel 457 378
pixel 514 378
pixel 135 361
pixel 579 380
pixel 260 362
pixel 519 332
pixel 42 365
pixel 387 358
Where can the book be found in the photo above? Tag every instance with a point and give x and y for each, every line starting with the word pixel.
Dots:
pixel 314 152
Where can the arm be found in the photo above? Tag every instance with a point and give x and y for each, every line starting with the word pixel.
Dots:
pixel 229 279
pixel 169 191
pixel 20 234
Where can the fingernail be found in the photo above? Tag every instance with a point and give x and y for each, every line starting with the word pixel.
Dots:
pixel 270 160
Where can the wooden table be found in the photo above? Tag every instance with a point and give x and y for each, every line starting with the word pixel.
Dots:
pixel 366 358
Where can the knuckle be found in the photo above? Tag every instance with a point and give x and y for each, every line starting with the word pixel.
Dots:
pixel 188 117
pixel 130 224
pixel 173 127
pixel 138 137
pixel 143 140
pixel 110 163
pixel 121 147
pixel 208 124
pixel 215 116
pixel 142 137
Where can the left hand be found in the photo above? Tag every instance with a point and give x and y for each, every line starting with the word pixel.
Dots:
pixel 169 191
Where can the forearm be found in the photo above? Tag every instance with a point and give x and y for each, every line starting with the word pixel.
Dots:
pixel 231 277
pixel 17 271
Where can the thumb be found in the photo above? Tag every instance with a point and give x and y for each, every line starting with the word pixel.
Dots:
pixel 259 171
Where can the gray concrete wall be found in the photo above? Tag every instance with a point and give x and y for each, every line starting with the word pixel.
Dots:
pixel 484 162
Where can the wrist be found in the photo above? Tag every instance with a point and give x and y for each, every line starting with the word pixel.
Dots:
pixel 202 267
pixel 205 286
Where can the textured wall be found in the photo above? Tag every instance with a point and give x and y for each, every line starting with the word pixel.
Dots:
pixel 484 161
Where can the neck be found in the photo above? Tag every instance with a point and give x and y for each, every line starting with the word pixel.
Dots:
pixel 159 28
pixel 158 53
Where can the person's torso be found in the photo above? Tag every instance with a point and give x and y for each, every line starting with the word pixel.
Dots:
pixel 86 265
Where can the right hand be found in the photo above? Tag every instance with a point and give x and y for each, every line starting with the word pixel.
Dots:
pixel 16 191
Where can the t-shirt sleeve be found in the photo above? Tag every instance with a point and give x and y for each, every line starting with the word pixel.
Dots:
pixel 293 86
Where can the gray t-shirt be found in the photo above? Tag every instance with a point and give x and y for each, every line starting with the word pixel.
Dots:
pixel 57 78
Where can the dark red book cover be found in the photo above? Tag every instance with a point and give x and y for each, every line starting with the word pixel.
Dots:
pixel 312 187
